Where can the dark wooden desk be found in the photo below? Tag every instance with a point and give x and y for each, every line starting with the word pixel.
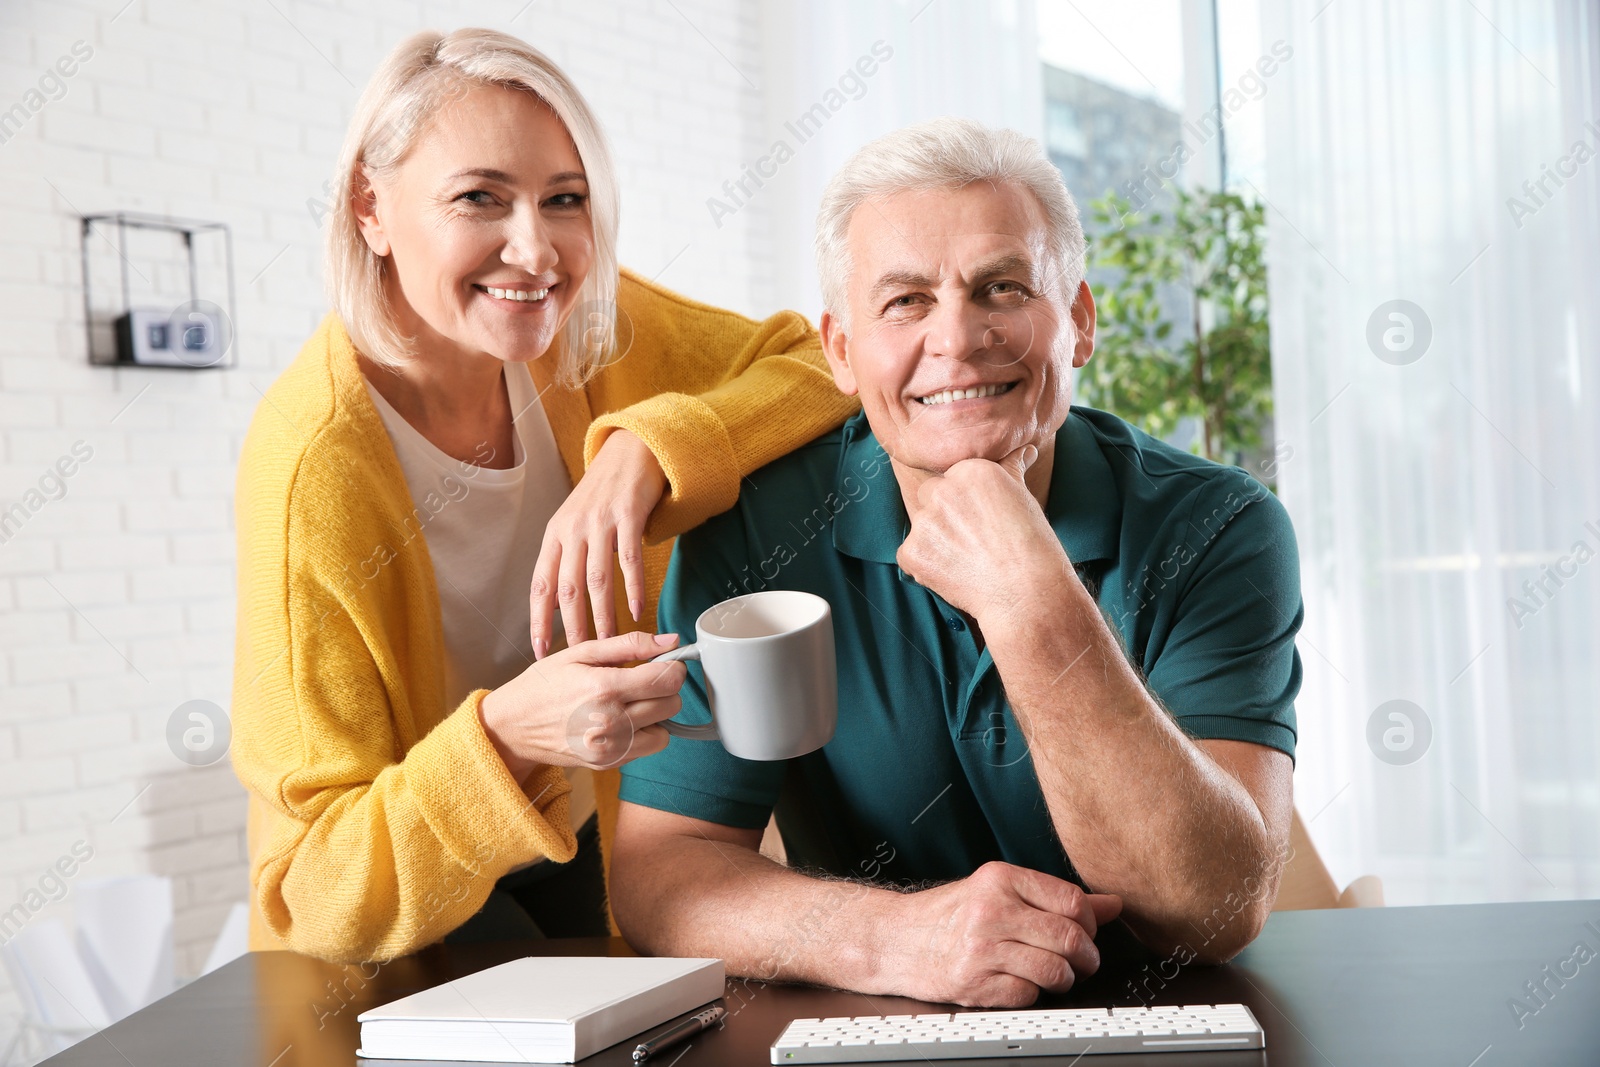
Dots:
pixel 1403 986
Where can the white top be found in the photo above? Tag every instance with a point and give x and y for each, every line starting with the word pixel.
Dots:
pixel 483 528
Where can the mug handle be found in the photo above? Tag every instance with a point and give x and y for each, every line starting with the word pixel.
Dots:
pixel 702 732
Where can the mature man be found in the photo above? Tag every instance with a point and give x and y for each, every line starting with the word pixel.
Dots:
pixel 1066 650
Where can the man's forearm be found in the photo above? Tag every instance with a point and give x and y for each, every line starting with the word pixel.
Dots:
pixel 695 897
pixel 1139 808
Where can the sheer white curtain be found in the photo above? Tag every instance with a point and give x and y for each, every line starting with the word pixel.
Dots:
pixel 860 70
pixel 1445 473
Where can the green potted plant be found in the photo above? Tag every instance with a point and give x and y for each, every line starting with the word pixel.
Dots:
pixel 1156 366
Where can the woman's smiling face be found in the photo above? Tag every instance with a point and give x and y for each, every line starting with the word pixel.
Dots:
pixel 486 227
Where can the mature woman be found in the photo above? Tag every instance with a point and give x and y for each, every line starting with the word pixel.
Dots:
pixel 491 408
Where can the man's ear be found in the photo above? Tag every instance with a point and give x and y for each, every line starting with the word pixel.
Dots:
pixel 364 203
pixel 1083 320
pixel 834 345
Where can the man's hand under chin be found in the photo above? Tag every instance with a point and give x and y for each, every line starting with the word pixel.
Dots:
pixel 979 538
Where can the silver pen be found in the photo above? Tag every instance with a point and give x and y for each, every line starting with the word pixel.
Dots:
pixel 695 1024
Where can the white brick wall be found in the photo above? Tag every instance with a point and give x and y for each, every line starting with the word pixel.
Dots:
pixel 116 601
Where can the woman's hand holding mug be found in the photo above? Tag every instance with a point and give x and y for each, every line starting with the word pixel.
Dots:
pixel 771 681
pixel 604 517
pixel 583 707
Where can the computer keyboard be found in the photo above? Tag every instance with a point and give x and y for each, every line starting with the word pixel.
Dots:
pixel 1036 1032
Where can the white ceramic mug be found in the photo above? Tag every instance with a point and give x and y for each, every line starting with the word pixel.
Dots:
pixel 771 679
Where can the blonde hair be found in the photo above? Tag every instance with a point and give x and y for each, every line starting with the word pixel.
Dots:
pixel 943 153
pixel 411 85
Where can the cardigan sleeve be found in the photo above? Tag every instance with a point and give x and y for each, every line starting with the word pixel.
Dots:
pixel 379 841
pixel 722 395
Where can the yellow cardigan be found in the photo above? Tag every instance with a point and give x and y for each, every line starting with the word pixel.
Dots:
pixel 379 819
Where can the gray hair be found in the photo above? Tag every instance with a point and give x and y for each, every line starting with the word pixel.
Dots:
pixel 943 153
pixel 418 78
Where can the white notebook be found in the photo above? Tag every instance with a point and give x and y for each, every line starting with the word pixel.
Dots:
pixel 539 1009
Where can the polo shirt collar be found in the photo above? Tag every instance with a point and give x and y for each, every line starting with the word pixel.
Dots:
pixel 874 525
pixel 1084 506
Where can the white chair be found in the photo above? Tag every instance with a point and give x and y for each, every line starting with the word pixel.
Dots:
pixel 1307 882
pixel 233 941
pixel 125 938
pixel 62 1003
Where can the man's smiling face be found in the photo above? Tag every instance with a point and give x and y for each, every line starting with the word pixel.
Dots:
pixel 960 339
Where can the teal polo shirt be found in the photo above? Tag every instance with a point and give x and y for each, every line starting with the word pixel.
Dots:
pixel 928 775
